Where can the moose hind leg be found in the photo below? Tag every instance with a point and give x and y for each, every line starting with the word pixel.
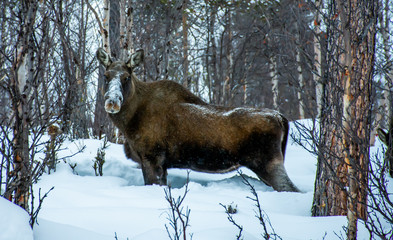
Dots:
pixel 276 176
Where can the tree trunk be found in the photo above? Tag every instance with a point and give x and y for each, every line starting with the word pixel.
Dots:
pixel 208 81
pixel 300 75
pixel 227 86
pixel 274 78
pixel 385 108
pixel 387 55
pixel 215 80
pixel 186 78
pixel 105 25
pixel 342 174
pixel 80 114
pixel 317 73
pixel 126 25
pixel 21 79
pixel 111 41
pixel 245 92
pixel 123 30
pixel 114 28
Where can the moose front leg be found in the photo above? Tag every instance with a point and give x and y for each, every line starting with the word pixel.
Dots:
pixel 154 171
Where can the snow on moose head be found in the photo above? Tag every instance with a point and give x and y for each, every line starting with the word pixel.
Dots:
pixel 117 78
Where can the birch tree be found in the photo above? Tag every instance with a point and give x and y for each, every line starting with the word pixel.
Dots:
pixel 21 78
pixel 25 62
pixel 317 68
pixel 273 68
pixel 300 74
pixel 102 125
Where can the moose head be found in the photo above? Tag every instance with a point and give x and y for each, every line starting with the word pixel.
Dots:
pixel 117 78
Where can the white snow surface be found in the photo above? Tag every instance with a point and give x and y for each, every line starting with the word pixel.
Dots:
pixel 14 222
pixel 85 206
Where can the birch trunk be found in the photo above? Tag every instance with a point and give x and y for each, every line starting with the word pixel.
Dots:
pixel 130 25
pixel 186 79
pixel 105 27
pixel 384 112
pixel 274 78
pixel 317 73
pixel 215 78
pixel 123 30
pixel 128 20
pixel 389 71
pixel 300 76
pixel 102 125
pixel 207 55
pixel 245 91
pixel 19 187
pixel 226 90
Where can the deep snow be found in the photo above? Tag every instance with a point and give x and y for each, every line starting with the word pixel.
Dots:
pixel 14 222
pixel 84 206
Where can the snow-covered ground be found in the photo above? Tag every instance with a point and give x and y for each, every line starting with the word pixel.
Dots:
pixel 14 222
pixel 84 206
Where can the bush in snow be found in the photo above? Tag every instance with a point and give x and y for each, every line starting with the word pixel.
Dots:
pixel 99 161
pixel 268 230
pixel 230 209
pixel 178 216
pixel 380 201
pixel 53 146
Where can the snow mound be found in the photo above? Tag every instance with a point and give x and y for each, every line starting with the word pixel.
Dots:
pixel 84 206
pixel 14 222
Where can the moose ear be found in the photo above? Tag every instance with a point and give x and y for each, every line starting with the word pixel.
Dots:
pixel 383 136
pixel 103 57
pixel 135 59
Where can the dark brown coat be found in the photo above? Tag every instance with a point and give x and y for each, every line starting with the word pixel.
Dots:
pixel 166 126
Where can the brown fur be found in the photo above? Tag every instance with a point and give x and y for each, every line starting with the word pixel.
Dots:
pixel 166 126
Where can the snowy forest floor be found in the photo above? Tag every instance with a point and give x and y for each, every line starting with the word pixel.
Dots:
pixel 83 206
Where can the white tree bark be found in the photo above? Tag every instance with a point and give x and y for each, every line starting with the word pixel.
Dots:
pixel 105 24
pixel 126 25
pixel 186 80
pixel 386 49
pixel 301 86
pixel 129 26
pixel 274 77
pixel 227 86
pixel 300 74
pixel 317 73
pixel 384 113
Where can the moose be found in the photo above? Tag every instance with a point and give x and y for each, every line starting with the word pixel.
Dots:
pixel 166 126
pixel 386 138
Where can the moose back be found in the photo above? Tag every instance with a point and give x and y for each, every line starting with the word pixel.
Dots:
pixel 166 126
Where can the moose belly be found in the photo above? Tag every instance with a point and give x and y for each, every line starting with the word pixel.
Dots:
pixel 204 159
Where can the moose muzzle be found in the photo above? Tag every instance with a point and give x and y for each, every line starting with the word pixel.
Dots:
pixel 114 97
